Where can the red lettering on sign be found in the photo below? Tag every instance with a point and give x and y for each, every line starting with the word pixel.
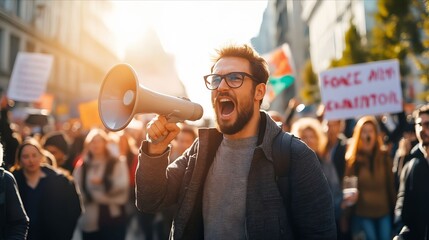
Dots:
pixel 350 79
pixel 363 101
pixel 381 74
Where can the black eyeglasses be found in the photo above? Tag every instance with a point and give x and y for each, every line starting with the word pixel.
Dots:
pixel 233 79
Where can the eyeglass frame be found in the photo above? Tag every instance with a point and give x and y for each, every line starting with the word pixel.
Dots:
pixel 224 76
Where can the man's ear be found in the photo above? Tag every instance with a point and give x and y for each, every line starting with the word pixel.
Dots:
pixel 260 91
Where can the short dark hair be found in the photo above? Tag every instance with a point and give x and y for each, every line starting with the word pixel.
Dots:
pixel 424 109
pixel 258 65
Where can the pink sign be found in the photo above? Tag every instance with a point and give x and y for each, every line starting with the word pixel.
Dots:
pixel 362 89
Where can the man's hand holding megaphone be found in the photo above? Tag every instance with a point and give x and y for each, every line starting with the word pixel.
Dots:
pixel 160 132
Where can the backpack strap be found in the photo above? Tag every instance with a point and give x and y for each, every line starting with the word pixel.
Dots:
pixel 282 164
pixel 281 153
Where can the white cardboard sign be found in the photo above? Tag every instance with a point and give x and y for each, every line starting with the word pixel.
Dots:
pixel 361 89
pixel 30 75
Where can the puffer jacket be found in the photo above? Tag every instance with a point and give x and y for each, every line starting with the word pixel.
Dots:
pixel 158 185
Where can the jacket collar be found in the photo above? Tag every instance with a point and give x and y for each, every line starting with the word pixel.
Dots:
pixel 268 130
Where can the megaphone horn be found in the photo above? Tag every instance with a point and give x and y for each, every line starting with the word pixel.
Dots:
pixel 121 97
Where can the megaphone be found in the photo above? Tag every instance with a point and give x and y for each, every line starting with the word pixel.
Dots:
pixel 121 97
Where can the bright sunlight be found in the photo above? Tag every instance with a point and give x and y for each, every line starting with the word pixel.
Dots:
pixel 189 30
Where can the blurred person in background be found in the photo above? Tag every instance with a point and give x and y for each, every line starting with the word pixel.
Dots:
pixel 183 140
pixel 50 199
pixel 392 126
pixel 104 183
pixel 8 137
pixel 76 135
pixel 407 149
pixel 412 205
pixel 290 114
pixel 335 148
pixel 150 224
pixel 58 145
pixel 277 117
pixel 368 159
pixel 128 151
pixel 310 131
pixel 334 154
pixel 13 218
pixel 285 120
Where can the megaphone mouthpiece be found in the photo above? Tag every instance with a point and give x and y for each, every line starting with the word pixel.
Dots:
pixel 121 97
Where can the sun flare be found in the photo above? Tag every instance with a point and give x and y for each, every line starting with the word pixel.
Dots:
pixel 189 30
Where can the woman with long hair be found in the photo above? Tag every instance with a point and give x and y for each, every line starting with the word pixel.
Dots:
pixel 104 182
pixel 50 198
pixel 368 159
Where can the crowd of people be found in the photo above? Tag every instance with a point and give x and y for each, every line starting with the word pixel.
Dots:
pixel 70 179
pixel 219 183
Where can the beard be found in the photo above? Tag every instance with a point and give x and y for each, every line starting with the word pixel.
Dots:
pixel 244 114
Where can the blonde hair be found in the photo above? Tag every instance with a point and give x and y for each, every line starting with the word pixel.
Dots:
pixel 91 135
pixel 313 124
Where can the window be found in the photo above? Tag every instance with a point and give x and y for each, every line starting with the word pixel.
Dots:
pixel 13 50
pixel 18 8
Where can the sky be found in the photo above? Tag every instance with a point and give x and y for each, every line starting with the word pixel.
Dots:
pixel 189 30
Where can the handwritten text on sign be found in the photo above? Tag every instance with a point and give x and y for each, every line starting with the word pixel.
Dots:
pixel 30 75
pixel 361 89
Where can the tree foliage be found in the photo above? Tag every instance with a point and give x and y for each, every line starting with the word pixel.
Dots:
pixel 354 51
pixel 422 62
pixel 310 92
pixel 401 32
pixel 396 33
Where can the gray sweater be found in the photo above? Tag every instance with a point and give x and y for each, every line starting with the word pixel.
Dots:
pixel 158 185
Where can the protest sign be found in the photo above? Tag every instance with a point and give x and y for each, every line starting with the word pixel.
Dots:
pixel 361 89
pixel 30 75
pixel 89 115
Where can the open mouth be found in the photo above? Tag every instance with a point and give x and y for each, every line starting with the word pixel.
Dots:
pixel 226 106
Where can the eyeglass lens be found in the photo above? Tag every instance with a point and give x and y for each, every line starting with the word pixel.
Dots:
pixel 233 80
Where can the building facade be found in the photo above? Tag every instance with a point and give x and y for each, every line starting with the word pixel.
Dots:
pixel 282 23
pixel 328 22
pixel 73 32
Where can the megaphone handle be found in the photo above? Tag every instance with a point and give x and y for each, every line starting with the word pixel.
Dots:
pixel 170 119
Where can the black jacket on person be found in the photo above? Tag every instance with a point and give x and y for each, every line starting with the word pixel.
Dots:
pixel 412 205
pixel 7 138
pixel 14 220
pixel 339 156
pixel 400 161
pixel 60 206
pixel 159 185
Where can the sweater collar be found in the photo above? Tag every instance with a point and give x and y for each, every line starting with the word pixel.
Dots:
pixel 268 129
